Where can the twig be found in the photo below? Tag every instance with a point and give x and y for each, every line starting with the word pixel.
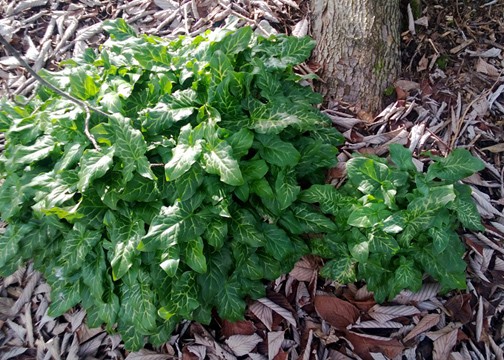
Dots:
pixel 44 82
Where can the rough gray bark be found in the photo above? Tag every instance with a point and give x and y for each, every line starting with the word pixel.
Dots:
pixel 357 49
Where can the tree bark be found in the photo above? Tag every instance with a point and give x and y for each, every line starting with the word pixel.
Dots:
pixel 357 49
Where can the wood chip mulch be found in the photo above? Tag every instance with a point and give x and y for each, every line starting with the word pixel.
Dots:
pixel 451 94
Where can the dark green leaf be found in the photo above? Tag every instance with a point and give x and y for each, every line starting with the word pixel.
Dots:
pixel 235 41
pixel 465 208
pixel 219 160
pixel 402 157
pixel 456 166
pixel 184 156
pixel 277 152
pixel 94 164
pixel 216 233
pixel 64 295
pixel 130 148
pixel 125 236
pixel 230 304
pixel 341 270
pixel 241 141
pixel 278 244
pixel 79 242
pixel 369 215
pixel 194 256
pixel 244 229
pixel 367 174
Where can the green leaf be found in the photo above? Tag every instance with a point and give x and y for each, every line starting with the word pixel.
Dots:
pixel 93 210
pixel 383 243
pixel 109 310
pixel 402 157
pixel 277 244
pixel 277 152
pixel 325 195
pixel 341 270
pixel 241 141
pixel 118 29
pixel 456 166
pixel 286 190
pixel 465 208
pixel 244 229
pixel 140 189
pixel 219 264
pixel 187 185
pixel 254 169
pixel 220 65
pixel 184 298
pixel 64 296
pixel 407 276
pixel 272 118
pixel 194 256
pixel 286 51
pixel 125 236
pixel 440 238
pixel 369 215
pixel 79 242
pixel 24 155
pixel 230 304
pixel 94 273
pixel 315 155
pixel 10 241
pixel 130 148
pixel 366 174
pixel 137 301
pixel 82 83
pixel 235 41
pixel 72 154
pixel 360 251
pixel 173 225
pixel 250 268
pixel 184 156
pixel 309 220
pixel 262 189
pixel 219 160
pixel 132 337
pixel 94 164
pixel 216 233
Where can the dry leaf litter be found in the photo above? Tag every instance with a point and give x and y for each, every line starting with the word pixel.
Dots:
pixel 451 95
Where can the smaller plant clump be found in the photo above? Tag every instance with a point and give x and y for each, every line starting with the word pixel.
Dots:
pixel 396 224
pixel 200 176
pixel 189 201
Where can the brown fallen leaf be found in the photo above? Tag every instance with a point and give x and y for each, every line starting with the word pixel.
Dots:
pixel 424 324
pixel 363 346
pixel 243 344
pixel 305 269
pixel 459 308
pixel 444 345
pixel 275 340
pixel 497 148
pixel 339 313
pixel 243 327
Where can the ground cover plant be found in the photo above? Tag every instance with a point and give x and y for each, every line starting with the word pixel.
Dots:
pixel 207 177
pixel 185 202
pixel 396 224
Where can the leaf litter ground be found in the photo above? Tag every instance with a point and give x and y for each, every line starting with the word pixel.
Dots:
pixel 450 95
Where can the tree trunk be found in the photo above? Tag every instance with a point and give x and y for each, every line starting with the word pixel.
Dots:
pixel 357 49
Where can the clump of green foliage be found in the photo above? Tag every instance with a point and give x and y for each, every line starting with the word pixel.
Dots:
pixel 396 224
pixel 207 179
pixel 190 200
